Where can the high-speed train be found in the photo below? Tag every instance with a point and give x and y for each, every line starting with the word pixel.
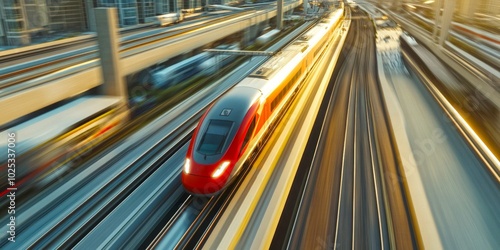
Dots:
pixel 204 63
pixel 233 127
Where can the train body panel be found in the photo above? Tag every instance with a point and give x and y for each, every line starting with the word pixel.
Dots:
pixel 260 98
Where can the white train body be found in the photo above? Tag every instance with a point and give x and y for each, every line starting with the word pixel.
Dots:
pixel 166 19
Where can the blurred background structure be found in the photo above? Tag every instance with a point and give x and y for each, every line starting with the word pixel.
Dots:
pixel 25 21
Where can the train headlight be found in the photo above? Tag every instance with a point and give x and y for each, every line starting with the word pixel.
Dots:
pixel 218 172
pixel 187 166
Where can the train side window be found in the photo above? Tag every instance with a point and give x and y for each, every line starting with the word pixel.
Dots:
pixel 248 135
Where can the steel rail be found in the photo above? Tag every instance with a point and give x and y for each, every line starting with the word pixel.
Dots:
pixel 108 196
pixel 154 243
pixel 355 150
pixel 344 149
pixel 373 152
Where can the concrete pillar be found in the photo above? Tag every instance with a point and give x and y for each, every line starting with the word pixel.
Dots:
pixel 89 7
pixel 437 19
pixel 448 8
pixel 107 39
pixel 279 15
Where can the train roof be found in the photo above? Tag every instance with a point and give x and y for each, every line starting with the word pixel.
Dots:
pixel 235 104
pixel 275 70
pixel 274 64
pixel 294 50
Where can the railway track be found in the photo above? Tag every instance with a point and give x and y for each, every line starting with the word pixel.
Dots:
pixel 342 199
pixel 360 217
pixel 206 212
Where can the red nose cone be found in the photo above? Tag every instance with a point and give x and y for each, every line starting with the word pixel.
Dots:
pixel 202 185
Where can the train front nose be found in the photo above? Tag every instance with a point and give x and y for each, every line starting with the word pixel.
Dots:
pixel 204 179
pixel 200 185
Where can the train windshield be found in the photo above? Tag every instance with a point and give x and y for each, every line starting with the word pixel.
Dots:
pixel 214 138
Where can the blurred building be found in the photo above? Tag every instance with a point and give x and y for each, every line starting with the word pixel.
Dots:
pixel 468 8
pixel 132 12
pixel 66 15
pixel 25 21
pixel 22 19
pixel 146 8
pixel 126 9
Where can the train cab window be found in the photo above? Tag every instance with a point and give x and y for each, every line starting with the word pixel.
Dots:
pixel 248 135
pixel 214 138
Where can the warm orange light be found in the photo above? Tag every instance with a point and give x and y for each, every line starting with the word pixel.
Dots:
pixel 218 172
pixel 187 166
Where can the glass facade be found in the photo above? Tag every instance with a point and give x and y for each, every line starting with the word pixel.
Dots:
pixel 24 19
pixel 163 6
pixel 146 9
pixel 127 10
pixel 14 23
pixel 13 14
pixel 36 15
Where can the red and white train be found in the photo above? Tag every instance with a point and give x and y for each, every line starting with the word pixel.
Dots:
pixel 234 125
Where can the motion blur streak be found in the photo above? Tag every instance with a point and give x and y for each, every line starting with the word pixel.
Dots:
pixel 348 203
